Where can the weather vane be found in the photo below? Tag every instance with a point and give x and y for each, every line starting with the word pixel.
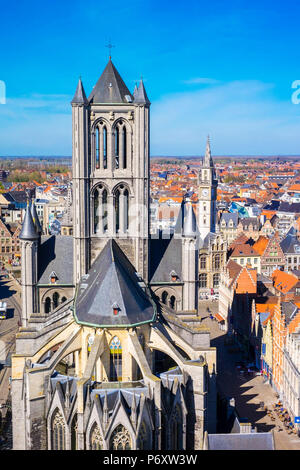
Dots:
pixel 110 46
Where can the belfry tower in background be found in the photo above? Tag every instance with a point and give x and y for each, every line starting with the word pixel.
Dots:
pixel 110 171
pixel 207 184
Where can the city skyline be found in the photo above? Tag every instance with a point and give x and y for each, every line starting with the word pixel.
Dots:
pixel 221 70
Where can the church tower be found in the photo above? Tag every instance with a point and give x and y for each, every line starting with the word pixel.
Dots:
pixel 110 171
pixel 207 184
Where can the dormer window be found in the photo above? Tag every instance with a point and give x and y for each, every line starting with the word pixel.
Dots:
pixel 115 308
pixel 53 278
pixel 174 276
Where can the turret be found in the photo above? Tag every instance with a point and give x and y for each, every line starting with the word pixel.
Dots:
pixel 29 238
pixel 189 257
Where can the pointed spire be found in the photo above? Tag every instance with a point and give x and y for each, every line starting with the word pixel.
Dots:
pixel 67 395
pixel 28 231
pixel 35 219
pixel 141 95
pixel 208 161
pixel 110 88
pixel 133 410
pixel 105 409
pixel 189 222
pixel 135 91
pixel 80 96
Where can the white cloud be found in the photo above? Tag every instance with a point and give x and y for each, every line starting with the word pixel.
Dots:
pixel 201 81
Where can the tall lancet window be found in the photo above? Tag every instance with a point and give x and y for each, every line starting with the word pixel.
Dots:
pixel 124 146
pixel 97 137
pixel 58 431
pixel 104 147
pixel 121 145
pixel 101 146
pixel 121 202
pixel 100 210
pixel 117 146
pixel 115 359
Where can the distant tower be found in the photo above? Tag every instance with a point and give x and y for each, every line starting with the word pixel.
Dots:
pixel 110 171
pixel 207 184
pixel 29 241
pixel 189 258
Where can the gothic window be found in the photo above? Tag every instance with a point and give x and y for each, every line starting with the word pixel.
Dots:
pixel 120 145
pixel 63 300
pixel 100 210
pixel 216 280
pixel 74 428
pixel 172 302
pixel 176 429
pixel 121 208
pixel 117 147
pixel 142 439
pixel 164 297
pixel 47 305
pixel 96 441
pixel 115 359
pixel 101 145
pixel 203 280
pixel 55 300
pixel 120 439
pixel 58 431
pixel 203 262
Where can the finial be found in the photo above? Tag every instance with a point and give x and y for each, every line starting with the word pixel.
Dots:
pixel 110 46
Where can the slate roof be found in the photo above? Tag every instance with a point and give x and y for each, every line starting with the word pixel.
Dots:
pixel 110 87
pixel 226 217
pixel 56 254
pixel 290 244
pixel 250 220
pixel 28 231
pixel 294 207
pixel 140 95
pixel 243 441
pixel 112 282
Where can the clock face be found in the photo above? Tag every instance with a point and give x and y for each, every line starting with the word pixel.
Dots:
pixel 204 192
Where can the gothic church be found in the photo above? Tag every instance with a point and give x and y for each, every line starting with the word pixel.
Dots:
pixel 107 362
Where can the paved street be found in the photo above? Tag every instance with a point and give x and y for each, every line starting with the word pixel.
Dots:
pixel 9 292
pixel 248 392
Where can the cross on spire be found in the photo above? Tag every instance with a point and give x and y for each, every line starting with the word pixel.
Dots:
pixel 110 46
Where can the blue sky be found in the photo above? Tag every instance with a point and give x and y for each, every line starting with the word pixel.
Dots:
pixel 219 68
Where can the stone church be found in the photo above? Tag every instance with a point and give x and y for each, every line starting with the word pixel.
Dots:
pixel 103 357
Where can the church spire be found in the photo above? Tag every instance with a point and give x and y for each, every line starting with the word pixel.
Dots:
pixel 141 95
pixel 208 161
pixel 80 96
pixel 28 231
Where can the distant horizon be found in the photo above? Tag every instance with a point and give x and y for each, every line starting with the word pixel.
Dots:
pixel 158 156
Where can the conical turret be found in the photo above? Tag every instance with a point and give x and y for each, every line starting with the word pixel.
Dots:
pixel 28 231
pixel 35 219
pixel 189 222
pixel 141 95
pixel 80 96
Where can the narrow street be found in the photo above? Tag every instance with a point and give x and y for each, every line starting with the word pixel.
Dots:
pixel 10 293
pixel 248 392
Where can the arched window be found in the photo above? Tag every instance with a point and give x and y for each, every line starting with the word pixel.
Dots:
pixel 63 300
pixel 216 280
pixel 203 280
pixel 58 431
pixel 96 441
pixel 121 206
pixel 142 443
pixel 117 147
pixel 74 428
pixel 120 145
pixel 55 300
pixel 47 305
pixel 120 439
pixel 164 297
pixel 176 429
pixel 115 359
pixel 100 210
pixel 172 302
pixel 101 145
